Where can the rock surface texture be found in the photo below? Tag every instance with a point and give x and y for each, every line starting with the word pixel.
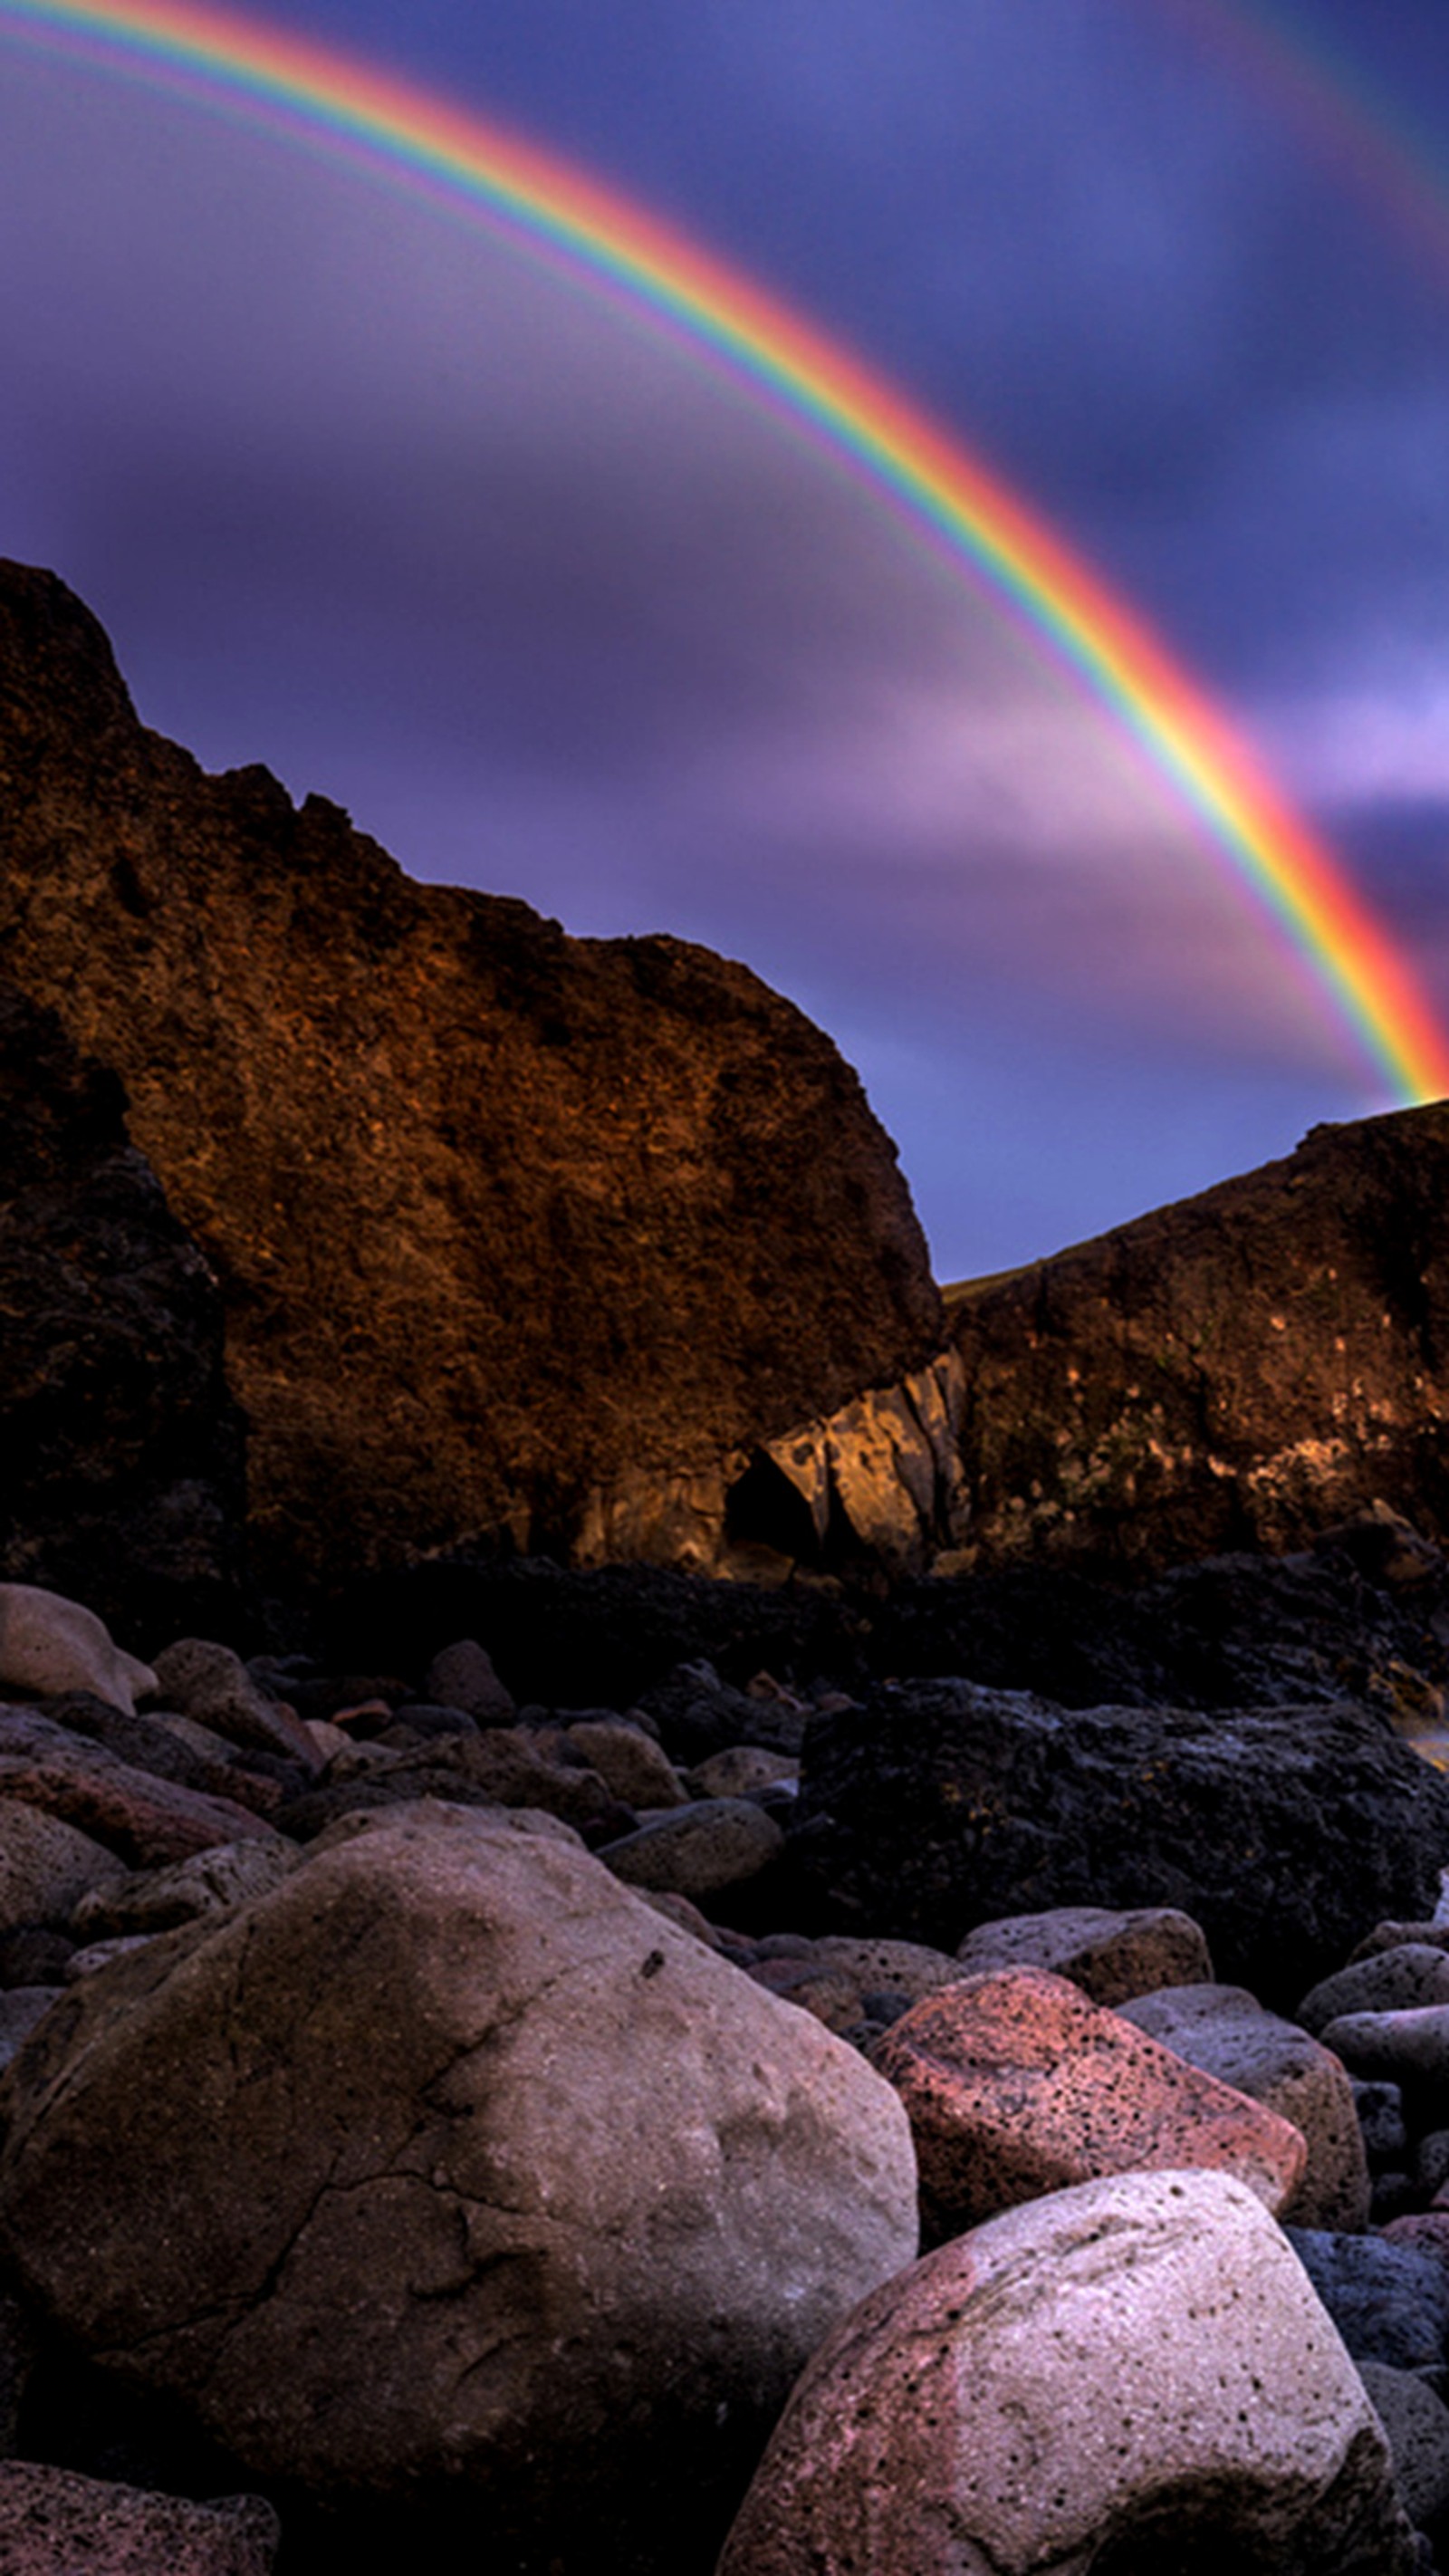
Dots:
pixel 1283 1833
pixel 122 1446
pixel 1016 2085
pixel 518 1233
pixel 1238 1370
pixel 501 2191
pixel 1134 2374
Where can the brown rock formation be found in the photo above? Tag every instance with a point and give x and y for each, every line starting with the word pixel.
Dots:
pixel 507 1222
pixel 1243 1369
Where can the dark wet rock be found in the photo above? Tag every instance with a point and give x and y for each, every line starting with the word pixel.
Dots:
pixel 1390 2302
pixel 122 1446
pixel 1284 1833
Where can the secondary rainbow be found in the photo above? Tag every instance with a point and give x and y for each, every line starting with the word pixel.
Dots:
pixel 1272 850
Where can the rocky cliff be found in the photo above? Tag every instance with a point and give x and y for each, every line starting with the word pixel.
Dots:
pixel 1241 1370
pixel 516 1232
pixel 120 1448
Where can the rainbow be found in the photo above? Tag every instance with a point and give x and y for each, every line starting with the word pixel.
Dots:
pixel 895 445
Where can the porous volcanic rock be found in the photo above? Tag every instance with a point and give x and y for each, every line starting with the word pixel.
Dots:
pixel 518 1233
pixel 122 1446
pixel 1130 2375
pixel 465 2182
pixel 1240 1369
pixel 936 1806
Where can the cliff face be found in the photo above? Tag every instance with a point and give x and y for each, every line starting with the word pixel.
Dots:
pixel 506 1222
pixel 120 1449
pixel 1243 1369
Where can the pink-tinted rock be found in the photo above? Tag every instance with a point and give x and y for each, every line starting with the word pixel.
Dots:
pixel 210 1683
pixel 55 2523
pixel 146 1819
pixel 1015 2084
pixel 1134 2374
pixel 1112 1956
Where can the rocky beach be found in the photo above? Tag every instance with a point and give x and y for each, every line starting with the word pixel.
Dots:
pixel 665 1900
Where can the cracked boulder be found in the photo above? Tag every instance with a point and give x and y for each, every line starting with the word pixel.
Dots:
pixel 466 2183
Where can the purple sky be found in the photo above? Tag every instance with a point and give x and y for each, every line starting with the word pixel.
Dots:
pixel 365 492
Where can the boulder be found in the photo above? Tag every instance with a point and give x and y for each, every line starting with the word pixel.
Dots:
pixel 1110 1956
pixel 56 2523
pixel 631 1765
pixel 143 1818
pixel 49 1646
pixel 1389 2298
pixel 1225 2032
pixel 616 1198
pixel 465 2179
pixel 123 1449
pixel 1016 2085
pixel 1285 1833
pixel 698 1850
pixel 47 1866
pixel 211 1684
pixel 1416 2420
pixel 462 1676
pixel 1410 2047
pixel 21 2008
pixel 1388 1980
pixel 210 1882
pixel 1131 2374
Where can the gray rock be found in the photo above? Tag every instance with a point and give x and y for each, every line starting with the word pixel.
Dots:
pixel 741 1769
pixel 1226 2032
pixel 1387 1981
pixel 1132 2374
pixel 462 1676
pixel 1389 2302
pixel 47 1866
pixel 1380 2108
pixel 1411 2047
pixel 209 1882
pixel 1111 1956
pixel 698 1850
pixel 1416 2421
pixel 210 1683
pixel 634 1769
pixel 463 2178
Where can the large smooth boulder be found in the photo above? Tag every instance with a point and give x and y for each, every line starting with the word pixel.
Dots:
pixel 1225 2032
pixel 1132 2375
pixel 49 1645
pixel 463 2177
pixel 1016 2085
pixel 1284 1833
